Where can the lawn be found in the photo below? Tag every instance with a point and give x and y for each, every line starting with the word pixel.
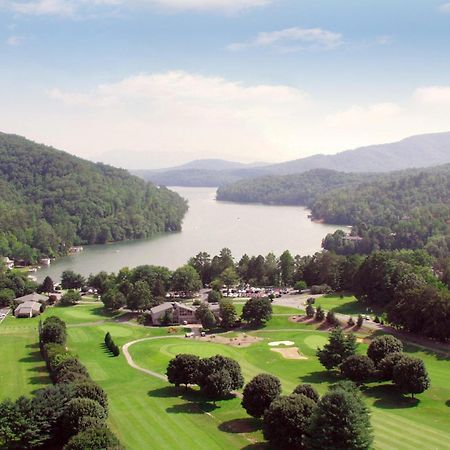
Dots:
pixel 347 305
pixel 146 412
pixel 22 370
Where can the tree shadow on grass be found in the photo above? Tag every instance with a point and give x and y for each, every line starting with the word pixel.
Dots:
pixel 388 397
pixel 257 446
pixel 447 403
pixel 165 392
pixel 246 425
pixel 323 376
pixel 106 350
pixel 192 408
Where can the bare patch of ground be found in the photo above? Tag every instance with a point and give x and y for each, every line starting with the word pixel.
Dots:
pixel 289 353
pixel 242 340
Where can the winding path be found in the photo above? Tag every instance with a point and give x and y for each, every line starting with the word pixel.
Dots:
pixel 131 362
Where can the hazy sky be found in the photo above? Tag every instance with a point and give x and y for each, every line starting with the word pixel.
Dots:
pixel 151 83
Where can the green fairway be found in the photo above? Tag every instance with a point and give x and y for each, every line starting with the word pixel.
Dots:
pixel 22 370
pixel 146 412
pixel 347 305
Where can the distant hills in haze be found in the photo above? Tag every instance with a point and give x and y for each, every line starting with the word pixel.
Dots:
pixel 414 152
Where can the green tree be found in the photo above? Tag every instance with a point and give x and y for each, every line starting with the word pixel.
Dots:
pixel 310 311
pixel 76 410
pixel 358 368
pixel 186 279
pixel 94 438
pixel 287 268
pixel 214 296
pixel 113 299
pixel 89 389
pixel 70 298
pixel 229 277
pixel 6 296
pixel 382 346
pixel 257 311
pixel 320 314
pixel 72 280
pixel 217 385
pixel 214 365
pixel 228 314
pixel 338 349
pixel 411 376
pixel 308 391
pixel 340 421
pixel 300 286
pixel 183 369
pixel 385 368
pixel 53 331
pixel 259 393
pixel 48 285
pixel 205 316
pixel 286 422
pixel 140 297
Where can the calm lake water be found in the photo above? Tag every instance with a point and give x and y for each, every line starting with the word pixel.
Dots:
pixel 208 226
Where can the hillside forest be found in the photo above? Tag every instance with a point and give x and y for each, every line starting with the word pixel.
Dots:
pixel 50 201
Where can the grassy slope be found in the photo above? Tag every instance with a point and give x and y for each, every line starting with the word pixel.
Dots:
pixel 22 370
pixel 146 412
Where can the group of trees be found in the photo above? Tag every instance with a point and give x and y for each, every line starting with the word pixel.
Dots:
pixel 407 209
pixel 256 312
pixel 50 200
pixel 69 415
pixel 304 420
pixel 138 289
pixel 216 376
pixel 14 284
pixel 221 270
pixel 385 361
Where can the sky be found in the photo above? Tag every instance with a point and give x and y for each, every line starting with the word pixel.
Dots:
pixel 156 83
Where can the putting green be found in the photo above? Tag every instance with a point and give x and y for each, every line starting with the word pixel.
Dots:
pixel 315 341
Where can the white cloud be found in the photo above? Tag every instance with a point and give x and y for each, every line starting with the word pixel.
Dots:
pixel 207 5
pixel 44 7
pixel 433 95
pixel 180 111
pixel 445 8
pixel 70 8
pixel 293 39
pixel 15 40
pixel 356 116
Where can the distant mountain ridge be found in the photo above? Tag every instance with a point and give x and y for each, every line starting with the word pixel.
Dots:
pixel 419 151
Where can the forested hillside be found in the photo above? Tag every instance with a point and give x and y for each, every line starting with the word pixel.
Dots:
pixel 407 209
pixel 298 189
pixel 50 200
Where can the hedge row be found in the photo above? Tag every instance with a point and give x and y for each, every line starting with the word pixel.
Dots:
pixel 111 345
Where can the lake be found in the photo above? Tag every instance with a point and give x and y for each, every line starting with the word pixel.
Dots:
pixel 208 226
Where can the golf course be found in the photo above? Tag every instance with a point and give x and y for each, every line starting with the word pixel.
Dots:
pixel 147 412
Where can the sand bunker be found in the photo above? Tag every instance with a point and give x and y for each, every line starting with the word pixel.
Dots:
pixel 289 353
pixel 277 343
pixel 242 340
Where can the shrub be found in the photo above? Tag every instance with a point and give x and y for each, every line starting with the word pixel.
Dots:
pixel 310 311
pixel 94 438
pixel 358 368
pixel 381 346
pixel 259 393
pixel 214 296
pixel 287 420
pixel 308 391
pixel 320 314
pixel 320 289
pixel 386 366
pixel 110 344
pixel 89 389
pixel 76 410
pixel 183 369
